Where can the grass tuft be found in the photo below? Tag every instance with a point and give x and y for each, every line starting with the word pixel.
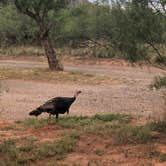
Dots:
pixel 132 134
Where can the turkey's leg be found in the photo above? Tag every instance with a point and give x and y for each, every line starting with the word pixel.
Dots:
pixel 49 118
pixel 67 113
pixel 57 116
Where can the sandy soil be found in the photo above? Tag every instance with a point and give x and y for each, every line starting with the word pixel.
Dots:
pixel 131 95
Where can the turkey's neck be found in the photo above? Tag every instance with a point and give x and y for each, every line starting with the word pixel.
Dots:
pixel 75 96
pixel 73 99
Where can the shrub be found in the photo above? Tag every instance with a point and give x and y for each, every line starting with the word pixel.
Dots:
pixel 159 82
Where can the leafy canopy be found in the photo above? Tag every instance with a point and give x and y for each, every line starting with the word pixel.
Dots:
pixel 40 9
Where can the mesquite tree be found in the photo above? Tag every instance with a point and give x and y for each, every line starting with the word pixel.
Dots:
pixel 39 10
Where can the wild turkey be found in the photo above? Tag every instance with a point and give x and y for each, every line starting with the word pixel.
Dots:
pixel 56 106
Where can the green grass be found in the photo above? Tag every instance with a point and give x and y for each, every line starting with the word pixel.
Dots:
pixel 76 122
pixel 28 123
pixel 159 82
pixel 113 117
pixel 58 148
pixel 33 123
pixel 115 125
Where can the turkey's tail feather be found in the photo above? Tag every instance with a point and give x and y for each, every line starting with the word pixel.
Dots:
pixel 36 112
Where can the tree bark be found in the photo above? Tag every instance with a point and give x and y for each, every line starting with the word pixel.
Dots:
pixel 53 62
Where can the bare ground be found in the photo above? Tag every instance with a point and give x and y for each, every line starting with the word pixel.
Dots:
pixel 130 95
pixel 113 155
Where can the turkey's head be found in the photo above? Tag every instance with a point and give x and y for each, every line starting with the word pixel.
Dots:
pixel 77 93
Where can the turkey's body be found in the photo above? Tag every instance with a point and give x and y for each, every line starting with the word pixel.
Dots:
pixel 55 106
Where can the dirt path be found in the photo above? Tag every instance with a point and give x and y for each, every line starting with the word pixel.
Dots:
pixel 133 95
pixel 114 70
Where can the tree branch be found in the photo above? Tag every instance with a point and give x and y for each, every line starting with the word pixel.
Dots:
pixel 27 12
pixel 157 51
pixel 157 10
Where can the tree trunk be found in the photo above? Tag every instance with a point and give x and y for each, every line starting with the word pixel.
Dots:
pixel 53 62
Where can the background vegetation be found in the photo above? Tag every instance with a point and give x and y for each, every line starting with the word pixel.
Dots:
pixel 133 30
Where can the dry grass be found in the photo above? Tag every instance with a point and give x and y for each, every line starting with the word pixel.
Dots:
pixel 99 52
pixel 47 75
pixel 90 51
pixel 21 50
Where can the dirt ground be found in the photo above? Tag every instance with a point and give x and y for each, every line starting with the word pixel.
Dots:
pixel 130 94
pixel 93 150
pixel 126 155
